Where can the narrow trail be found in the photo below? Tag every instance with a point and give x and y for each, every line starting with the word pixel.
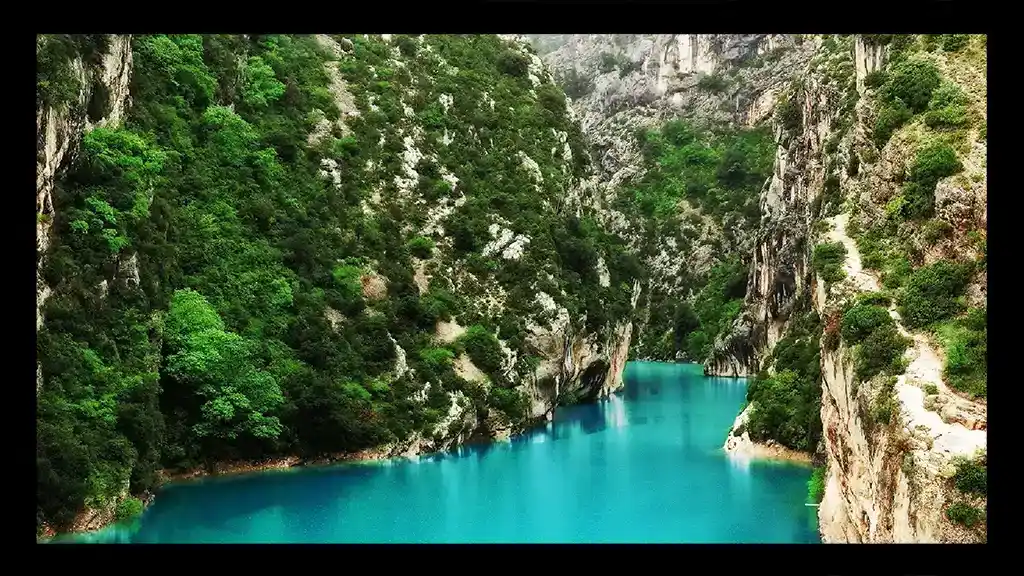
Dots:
pixel 956 424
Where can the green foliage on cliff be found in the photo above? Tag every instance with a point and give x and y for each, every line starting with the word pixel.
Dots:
pixel 58 82
pixel 827 260
pixel 861 320
pixel 720 172
pixel 483 349
pixel 971 475
pixel 692 327
pixel 932 163
pixel 816 485
pixel 907 91
pixel 970 479
pixel 966 347
pixel 210 256
pixel 964 514
pixel 933 293
pixel 786 406
pixel 880 352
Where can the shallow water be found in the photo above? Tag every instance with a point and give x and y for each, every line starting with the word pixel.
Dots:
pixel 643 466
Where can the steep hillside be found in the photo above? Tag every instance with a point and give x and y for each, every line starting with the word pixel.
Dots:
pixel 853 292
pixel 267 250
pixel 676 125
pixel 296 248
pixel 869 281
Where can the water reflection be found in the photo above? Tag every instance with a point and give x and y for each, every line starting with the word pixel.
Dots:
pixel 642 466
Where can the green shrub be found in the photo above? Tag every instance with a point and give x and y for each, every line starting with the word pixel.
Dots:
pixel 816 485
pixel 514 64
pixel 912 82
pixel 947 108
pixel 891 116
pixel 931 389
pixel 874 299
pixel 863 319
pixel 128 509
pixel 576 85
pixel 407 45
pixel 885 407
pixel 875 79
pixel 881 351
pixel 853 167
pixel 608 63
pixel 954 42
pixel 935 230
pixel 713 83
pixel 790 114
pixel 896 270
pixel 932 163
pixel 827 260
pixel 966 347
pixel 514 404
pixel 971 476
pixel 484 350
pixel 964 514
pixel 932 293
pixel 421 247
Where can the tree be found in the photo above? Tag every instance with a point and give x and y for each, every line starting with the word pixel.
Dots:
pixel 220 367
pixel 260 87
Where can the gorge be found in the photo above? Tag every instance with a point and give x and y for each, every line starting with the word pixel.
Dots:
pixel 258 251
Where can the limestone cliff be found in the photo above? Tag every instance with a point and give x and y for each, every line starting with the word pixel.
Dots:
pixel 99 97
pixel 891 442
pixel 573 361
pixel 624 84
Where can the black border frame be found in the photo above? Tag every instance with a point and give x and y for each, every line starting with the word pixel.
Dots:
pixel 535 16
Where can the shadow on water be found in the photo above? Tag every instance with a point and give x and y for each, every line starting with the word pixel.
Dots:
pixel 199 505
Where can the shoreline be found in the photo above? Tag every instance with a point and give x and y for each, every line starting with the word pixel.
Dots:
pixel 235 468
pixel 393 451
pixel 741 446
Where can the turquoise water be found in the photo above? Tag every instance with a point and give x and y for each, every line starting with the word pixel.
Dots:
pixel 643 466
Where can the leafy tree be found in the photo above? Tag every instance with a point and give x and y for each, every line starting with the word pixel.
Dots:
pixel 260 86
pixel 238 396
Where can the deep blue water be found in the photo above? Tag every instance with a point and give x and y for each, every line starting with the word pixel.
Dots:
pixel 643 466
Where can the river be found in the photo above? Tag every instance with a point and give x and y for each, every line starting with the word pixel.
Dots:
pixel 643 466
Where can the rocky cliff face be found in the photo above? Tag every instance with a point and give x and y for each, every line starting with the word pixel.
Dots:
pixel 891 482
pixel 101 98
pixel 622 85
pixel 888 477
pixel 571 361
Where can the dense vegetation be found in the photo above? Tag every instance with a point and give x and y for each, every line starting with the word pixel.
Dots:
pixel 912 92
pixel 816 485
pixel 231 265
pixel 718 172
pixel 970 484
pixel 786 404
pixel 827 260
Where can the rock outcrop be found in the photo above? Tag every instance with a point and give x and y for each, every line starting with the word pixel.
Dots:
pixel 621 84
pixel 886 482
pixel 59 129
